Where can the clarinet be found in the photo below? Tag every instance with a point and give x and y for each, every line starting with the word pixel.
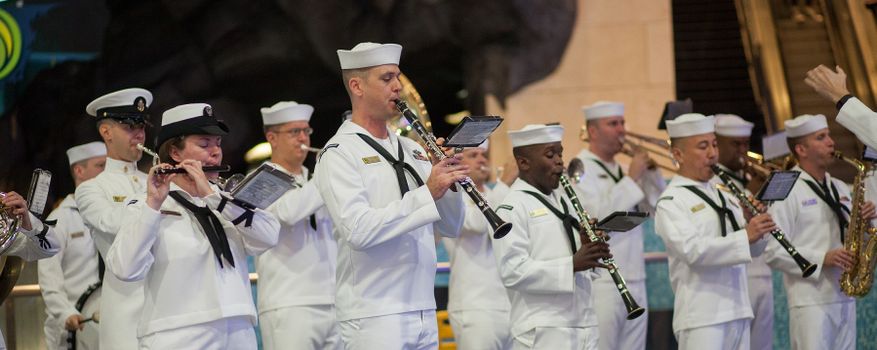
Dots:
pixel 500 228
pixel 633 309
pixel 806 267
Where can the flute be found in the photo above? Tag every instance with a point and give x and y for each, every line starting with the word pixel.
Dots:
pixel 633 309
pixel 500 228
pixel 206 169
pixel 807 268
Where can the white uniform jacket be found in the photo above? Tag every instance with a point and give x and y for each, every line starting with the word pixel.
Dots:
pixel 475 283
pixel 101 202
pixel 386 247
pixel 707 271
pixel 859 119
pixel 601 196
pixel 185 284
pixel 758 267
pixel 812 228
pixel 64 277
pixel 300 269
pixel 535 264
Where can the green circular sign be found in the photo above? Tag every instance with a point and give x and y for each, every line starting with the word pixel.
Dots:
pixel 10 43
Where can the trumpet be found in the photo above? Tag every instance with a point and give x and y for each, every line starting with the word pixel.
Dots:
pixel 633 309
pixel 150 152
pixel 310 149
pixel 500 228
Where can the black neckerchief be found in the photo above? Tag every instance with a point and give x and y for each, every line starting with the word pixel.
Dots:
pixel 313 218
pixel 822 191
pixel 615 178
pixel 569 222
pixel 211 226
pixel 399 166
pixel 722 211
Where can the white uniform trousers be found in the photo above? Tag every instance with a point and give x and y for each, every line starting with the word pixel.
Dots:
pixel 731 335
pixel 761 297
pixel 227 333
pixel 558 338
pixel 481 329
pixel 616 331
pixel 300 327
pixel 825 326
pixel 413 330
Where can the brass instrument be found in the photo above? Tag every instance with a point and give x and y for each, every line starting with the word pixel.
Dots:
pixel 629 149
pixel 8 226
pixel 310 149
pixel 399 124
pixel 755 166
pixel 500 228
pixel 859 239
pixel 151 153
pixel 633 309
pixel 807 268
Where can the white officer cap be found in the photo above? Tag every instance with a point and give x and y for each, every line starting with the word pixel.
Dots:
pixel 805 124
pixel 190 119
pixel 369 55
pixel 287 111
pixel 89 150
pixel 128 104
pixel 690 124
pixel 603 109
pixel 732 125
pixel 534 134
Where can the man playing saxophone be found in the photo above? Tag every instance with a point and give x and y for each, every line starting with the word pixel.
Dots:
pixel 815 217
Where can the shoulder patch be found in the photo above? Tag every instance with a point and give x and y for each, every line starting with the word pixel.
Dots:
pixel 669 198
pixel 119 199
pixel 698 207
pixel 326 148
pixel 132 202
pixel 505 206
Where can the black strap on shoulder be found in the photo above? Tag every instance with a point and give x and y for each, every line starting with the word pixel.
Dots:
pixel 211 226
pixel 399 166
pixel 313 218
pixel 722 211
pixel 833 203
pixel 569 222
pixel 616 178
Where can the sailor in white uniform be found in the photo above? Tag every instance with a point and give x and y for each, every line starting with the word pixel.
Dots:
pixel 65 277
pixel 543 261
pixel 296 290
pixel 189 242
pixel 386 200
pixel 121 117
pixel 709 243
pixel 607 187
pixel 814 218
pixel 733 136
pixel 478 306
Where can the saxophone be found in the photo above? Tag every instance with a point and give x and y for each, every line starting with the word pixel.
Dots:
pixel 859 239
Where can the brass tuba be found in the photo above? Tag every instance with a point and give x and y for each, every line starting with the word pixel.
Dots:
pixel 10 266
pixel 859 239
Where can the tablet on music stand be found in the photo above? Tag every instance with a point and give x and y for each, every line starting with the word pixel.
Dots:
pixel 778 186
pixel 472 131
pixel 38 194
pixel 622 221
pixel 262 187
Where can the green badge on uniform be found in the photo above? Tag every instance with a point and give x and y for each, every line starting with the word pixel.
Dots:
pixel 505 206
pixel 698 207
pixel 371 160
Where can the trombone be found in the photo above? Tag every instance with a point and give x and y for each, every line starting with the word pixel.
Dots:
pixel 629 147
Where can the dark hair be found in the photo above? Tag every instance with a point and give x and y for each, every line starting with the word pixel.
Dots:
pixel 794 141
pixel 347 74
pixel 164 151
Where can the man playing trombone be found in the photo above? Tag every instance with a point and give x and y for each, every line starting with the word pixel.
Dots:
pixel 296 289
pixel 606 187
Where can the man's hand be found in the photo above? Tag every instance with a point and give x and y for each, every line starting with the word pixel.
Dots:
pixel 589 255
pixel 760 225
pixel 18 206
pixel 639 163
pixel 748 215
pixel 158 186
pixel 829 84
pixel 445 174
pixel 868 211
pixel 839 258
pixel 74 323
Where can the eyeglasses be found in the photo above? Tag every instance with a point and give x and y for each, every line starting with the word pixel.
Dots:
pixel 297 131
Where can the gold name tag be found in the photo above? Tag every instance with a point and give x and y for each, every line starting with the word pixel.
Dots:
pixel 77 234
pixel 539 212
pixel 118 199
pixel 371 160
pixel 698 207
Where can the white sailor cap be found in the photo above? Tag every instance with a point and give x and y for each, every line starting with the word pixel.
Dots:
pixel 85 151
pixel 534 134
pixel 190 119
pixel 369 55
pixel 732 125
pixel 775 146
pixel 286 111
pixel 483 145
pixel 805 124
pixel 690 124
pixel 128 105
pixel 603 109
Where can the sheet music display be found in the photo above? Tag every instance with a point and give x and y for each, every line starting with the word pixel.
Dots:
pixel 263 187
pixel 38 194
pixel 778 186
